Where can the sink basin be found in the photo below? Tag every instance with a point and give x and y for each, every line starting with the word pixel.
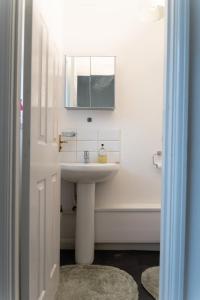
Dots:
pixel 88 173
pixel 86 176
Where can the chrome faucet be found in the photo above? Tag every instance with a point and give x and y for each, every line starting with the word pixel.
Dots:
pixel 86 157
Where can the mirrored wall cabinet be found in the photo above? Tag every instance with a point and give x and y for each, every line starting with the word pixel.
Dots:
pixel 90 82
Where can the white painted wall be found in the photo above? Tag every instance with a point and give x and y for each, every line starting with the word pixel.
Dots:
pixel 96 28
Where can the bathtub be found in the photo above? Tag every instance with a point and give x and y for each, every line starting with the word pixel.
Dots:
pixel 135 226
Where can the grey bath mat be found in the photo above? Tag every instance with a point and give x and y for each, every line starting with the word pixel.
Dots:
pixel 94 282
pixel 150 281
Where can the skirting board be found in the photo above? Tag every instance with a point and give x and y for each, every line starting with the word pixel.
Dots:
pixel 68 244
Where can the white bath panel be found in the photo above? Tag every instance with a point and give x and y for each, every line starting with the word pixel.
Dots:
pixel 133 225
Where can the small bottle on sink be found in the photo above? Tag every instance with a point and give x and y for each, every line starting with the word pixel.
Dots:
pixel 102 156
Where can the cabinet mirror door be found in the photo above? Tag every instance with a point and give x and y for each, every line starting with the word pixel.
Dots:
pixel 78 82
pixel 102 82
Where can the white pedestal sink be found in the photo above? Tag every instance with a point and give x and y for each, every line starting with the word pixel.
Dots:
pixel 86 176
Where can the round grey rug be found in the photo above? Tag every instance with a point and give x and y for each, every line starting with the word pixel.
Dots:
pixel 93 282
pixel 150 281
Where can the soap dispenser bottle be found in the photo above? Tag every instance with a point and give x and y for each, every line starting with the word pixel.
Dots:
pixel 102 156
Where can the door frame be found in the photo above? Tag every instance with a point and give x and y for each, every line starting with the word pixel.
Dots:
pixel 175 152
pixel 176 102
pixel 9 150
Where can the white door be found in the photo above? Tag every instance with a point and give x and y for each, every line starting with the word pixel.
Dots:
pixel 41 176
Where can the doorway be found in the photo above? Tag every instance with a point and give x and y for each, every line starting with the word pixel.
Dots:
pixel 173 223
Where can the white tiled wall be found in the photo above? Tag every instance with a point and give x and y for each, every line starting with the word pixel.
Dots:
pixel 91 140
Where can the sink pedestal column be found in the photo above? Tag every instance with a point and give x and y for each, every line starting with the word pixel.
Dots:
pixel 84 241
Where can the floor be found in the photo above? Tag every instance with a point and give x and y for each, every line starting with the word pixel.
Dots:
pixel 133 262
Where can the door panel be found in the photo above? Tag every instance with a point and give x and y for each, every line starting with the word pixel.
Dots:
pixel 41 187
pixel 55 85
pixel 44 174
pixel 43 84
